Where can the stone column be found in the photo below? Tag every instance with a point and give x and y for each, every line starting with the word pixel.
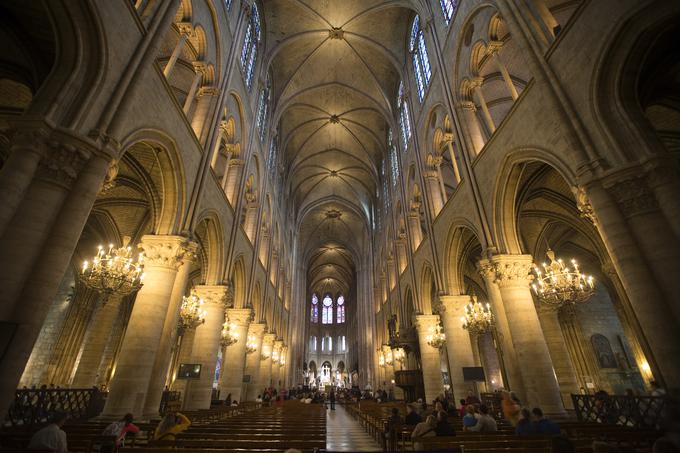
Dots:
pixel 458 344
pixel 255 334
pixel 218 144
pixel 163 358
pixel 96 340
pixel 494 49
pixel 170 65
pixel 414 225
pixel 205 99
pixel 129 386
pixel 185 348
pixel 276 368
pixel 250 222
pixel 206 346
pixel 564 368
pixel 234 170
pixel 454 160
pixel 472 125
pixel 477 89
pixel 436 194
pixel 429 357
pixel 512 277
pixel 109 357
pixel 265 376
pixel 402 261
pixel 234 357
pixel 392 277
pixel 200 69
pixel 231 150
pixel 264 247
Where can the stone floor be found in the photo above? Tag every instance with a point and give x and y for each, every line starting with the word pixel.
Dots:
pixel 343 433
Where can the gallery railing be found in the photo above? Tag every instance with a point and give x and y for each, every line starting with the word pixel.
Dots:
pixel 633 411
pixel 170 401
pixel 35 406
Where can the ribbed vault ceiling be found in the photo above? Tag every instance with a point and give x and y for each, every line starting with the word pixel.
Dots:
pixel 335 68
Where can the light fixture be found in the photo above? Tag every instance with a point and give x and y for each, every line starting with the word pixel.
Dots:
pixel 275 356
pixel 478 318
pixel 191 314
pixel 399 355
pixel 435 337
pixel 229 334
pixel 251 344
pixel 114 271
pixel 282 361
pixel 381 360
pixel 560 285
pixel 389 358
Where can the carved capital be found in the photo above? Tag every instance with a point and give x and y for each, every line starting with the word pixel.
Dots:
pixel 208 91
pixel 62 162
pixel 268 340
pixel 507 270
pixel 452 304
pixel 236 163
pixel 424 323
pixel 165 251
pixel 213 294
pixel 468 105
pixel 257 329
pixel 634 196
pixel 494 46
pixel 185 28
pixel 240 316
pixel 110 179
pixel 476 82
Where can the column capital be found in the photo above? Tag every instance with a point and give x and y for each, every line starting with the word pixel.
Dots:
pixel 236 162
pixel 257 329
pixel 476 82
pixel 633 195
pixel 185 28
pixel 493 47
pixel 62 162
pixel 208 91
pixel 507 270
pixel 425 322
pixel 468 105
pixel 240 316
pixel 213 294
pixel 166 250
pixel 449 304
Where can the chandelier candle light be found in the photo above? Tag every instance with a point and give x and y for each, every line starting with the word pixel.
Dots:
pixel 436 338
pixel 559 285
pixel 191 314
pixel 229 334
pixel 114 271
pixel 478 318
pixel 251 345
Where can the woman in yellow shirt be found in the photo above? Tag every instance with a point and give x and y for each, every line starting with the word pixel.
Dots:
pixel 172 424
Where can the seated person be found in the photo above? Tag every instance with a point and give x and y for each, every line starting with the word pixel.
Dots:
pixel 544 425
pixel 412 418
pixel 485 422
pixel 525 426
pixel 470 419
pixel 424 429
pixel 462 410
pixel 443 427
pixel 51 437
pixel 171 425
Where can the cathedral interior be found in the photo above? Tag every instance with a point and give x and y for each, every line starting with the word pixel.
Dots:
pixel 212 197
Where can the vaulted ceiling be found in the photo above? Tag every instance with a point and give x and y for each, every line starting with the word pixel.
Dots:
pixel 335 70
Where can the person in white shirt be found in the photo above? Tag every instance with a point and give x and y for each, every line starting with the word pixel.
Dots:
pixel 485 422
pixel 51 437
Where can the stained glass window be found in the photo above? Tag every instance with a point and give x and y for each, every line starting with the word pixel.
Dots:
pixel 315 309
pixel 448 8
pixel 327 311
pixel 421 60
pixel 340 318
pixel 250 44
pixel 404 118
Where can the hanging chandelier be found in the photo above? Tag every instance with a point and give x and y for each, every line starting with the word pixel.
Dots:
pixel 282 361
pixel 478 318
pixel 191 314
pixel 229 334
pixel 114 271
pixel 381 360
pixel 559 285
pixel 251 344
pixel 275 356
pixel 399 355
pixel 435 337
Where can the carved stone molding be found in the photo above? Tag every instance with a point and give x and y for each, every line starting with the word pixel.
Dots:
pixel 450 303
pixel 62 162
pixel 425 322
pixel 507 270
pixel 110 179
pixel 634 196
pixel 583 204
pixel 468 105
pixel 213 294
pixel 257 329
pixel 165 251
pixel 240 316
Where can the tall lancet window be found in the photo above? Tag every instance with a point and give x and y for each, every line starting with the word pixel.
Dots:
pixel 448 8
pixel 340 318
pixel 421 61
pixel 314 315
pixel 250 44
pixel 327 311
pixel 263 110
pixel 404 118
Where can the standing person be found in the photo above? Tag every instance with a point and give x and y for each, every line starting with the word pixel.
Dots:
pixel 51 437
pixel 171 425
pixel 331 398
pixel 485 422
pixel 511 408
pixel 423 429
pixel 392 431
pixel 119 430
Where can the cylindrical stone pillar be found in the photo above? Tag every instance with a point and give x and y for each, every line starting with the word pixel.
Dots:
pixel 252 370
pixel 265 376
pixel 130 383
pixel 429 357
pixel 96 340
pixel 206 346
pixel 458 345
pixel 234 358
pixel 535 364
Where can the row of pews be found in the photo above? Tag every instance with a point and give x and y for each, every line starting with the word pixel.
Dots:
pixel 373 417
pixel 246 428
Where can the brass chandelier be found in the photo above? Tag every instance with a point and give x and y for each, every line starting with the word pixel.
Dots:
pixel 478 317
pixel 229 335
pixel 114 271
pixel 191 314
pixel 251 345
pixel 559 285
pixel 435 337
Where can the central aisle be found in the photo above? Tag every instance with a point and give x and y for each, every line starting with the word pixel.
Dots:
pixel 343 433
